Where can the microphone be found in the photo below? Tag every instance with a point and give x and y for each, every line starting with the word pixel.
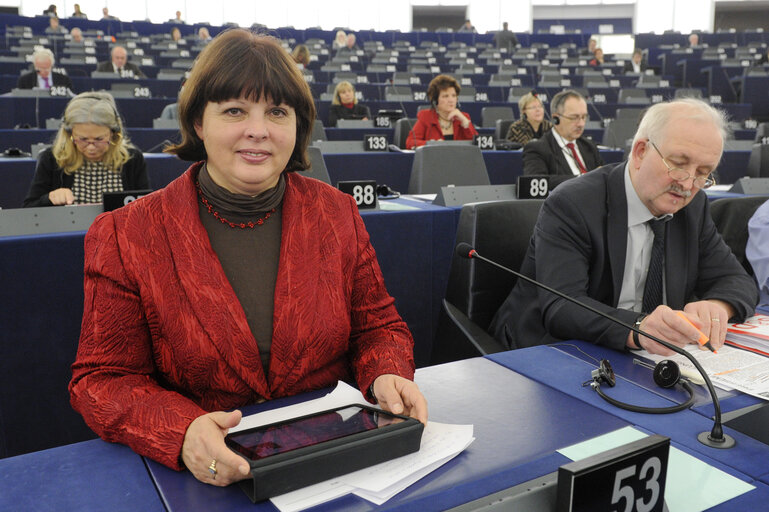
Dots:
pixel 716 437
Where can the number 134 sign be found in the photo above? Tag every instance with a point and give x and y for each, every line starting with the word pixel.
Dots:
pixel 629 478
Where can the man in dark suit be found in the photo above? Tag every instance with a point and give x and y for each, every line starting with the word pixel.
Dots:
pixel 596 237
pixel 43 77
pixel 119 64
pixel 563 152
pixel 505 38
pixel 636 64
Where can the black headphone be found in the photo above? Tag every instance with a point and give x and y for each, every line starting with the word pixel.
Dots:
pixel 666 375
pixel 556 119
pixel 119 130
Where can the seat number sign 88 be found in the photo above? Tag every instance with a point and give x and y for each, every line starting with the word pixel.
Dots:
pixel 629 478
pixel 363 192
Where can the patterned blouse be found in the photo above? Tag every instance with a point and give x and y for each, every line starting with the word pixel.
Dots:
pixel 522 132
pixel 93 180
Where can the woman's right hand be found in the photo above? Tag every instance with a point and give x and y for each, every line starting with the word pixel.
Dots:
pixel 61 196
pixel 204 443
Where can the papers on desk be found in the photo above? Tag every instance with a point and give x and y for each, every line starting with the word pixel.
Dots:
pixel 440 443
pixel 752 334
pixel 684 474
pixel 730 368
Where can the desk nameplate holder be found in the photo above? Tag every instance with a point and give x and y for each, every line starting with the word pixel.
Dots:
pixel 48 219
pixel 630 476
pixel 542 494
pixel 461 195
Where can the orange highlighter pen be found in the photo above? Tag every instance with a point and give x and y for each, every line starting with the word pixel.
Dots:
pixel 704 340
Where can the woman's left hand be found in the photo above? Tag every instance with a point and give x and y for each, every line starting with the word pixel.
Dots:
pixel 456 113
pixel 400 396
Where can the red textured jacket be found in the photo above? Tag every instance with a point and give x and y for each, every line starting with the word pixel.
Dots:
pixel 165 340
pixel 428 127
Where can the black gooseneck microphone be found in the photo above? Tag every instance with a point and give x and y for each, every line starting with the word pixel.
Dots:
pixel 716 437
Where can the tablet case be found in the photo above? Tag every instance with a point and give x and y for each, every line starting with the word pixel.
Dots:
pixel 285 472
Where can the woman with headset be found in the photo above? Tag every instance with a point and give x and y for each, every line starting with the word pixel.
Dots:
pixel 345 105
pixel 90 156
pixel 444 121
pixel 532 124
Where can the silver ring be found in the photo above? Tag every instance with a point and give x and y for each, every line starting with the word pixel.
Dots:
pixel 212 469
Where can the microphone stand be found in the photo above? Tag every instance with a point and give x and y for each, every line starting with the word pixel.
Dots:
pixel 716 437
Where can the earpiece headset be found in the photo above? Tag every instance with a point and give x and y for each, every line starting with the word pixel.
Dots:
pixel 666 375
pixel 558 101
pixel 118 131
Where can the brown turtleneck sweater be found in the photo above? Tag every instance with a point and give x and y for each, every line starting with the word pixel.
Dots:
pixel 248 256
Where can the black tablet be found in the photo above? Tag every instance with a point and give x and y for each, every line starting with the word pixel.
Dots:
pixel 302 451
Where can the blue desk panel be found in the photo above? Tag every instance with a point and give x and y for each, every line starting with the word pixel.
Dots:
pixel 89 476
pixel 515 442
pixel 567 373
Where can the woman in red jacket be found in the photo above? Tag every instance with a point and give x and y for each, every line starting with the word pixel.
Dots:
pixel 239 282
pixel 444 121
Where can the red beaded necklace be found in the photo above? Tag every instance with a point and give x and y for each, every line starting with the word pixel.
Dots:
pixel 241 225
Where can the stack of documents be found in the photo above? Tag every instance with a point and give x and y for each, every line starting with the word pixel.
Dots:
pixel 440 444
pixel 752 334
pixel 730 368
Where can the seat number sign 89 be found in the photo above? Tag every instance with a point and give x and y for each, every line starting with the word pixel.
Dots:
pixel 363 192
pixel 532 187
pixel 629 478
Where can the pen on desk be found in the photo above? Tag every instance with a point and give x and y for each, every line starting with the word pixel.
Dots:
pixel 703 340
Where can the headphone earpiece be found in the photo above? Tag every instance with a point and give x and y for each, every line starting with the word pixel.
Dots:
pixel 524 116
pixel 604 374
pixel 667 374
pixel 556 119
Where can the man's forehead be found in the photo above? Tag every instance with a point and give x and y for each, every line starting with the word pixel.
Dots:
pixel 574 105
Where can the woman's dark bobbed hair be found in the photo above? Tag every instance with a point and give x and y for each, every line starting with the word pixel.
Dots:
pixel 240 64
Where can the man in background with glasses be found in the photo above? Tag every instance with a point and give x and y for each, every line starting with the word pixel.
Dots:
pixel 636 241
pixel 563 152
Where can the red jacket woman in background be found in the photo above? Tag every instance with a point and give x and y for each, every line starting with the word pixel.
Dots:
pixel 444 121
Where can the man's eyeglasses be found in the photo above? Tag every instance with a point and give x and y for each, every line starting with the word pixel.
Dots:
pixel 83 142
pixel 679 174
pixel 575 118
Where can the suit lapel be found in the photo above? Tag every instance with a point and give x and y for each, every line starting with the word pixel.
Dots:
pixel 295 287
pixel 562 166
pixel 587 154
pixel 616 226
pixel 214 303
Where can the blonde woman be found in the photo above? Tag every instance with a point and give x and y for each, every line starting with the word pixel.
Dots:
pixel 345 105
pixel 90 156
pixel 532 124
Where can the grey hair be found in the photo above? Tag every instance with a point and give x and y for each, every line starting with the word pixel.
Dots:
pixel 43 53
pixel 92 107
pixel 657 117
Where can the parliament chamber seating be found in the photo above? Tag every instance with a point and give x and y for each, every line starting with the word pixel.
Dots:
pixel 406 61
